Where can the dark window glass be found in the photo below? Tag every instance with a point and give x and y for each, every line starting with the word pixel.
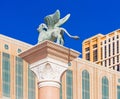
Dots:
pixel 109 48
pixel 113 67
pixel 105 42
pixel 109 62
pixel 105 48
pixel 113 48
pixel 87 56
pixel 117 46
pixel 113 60
pixel 101 53
pixel 117 36
pixel 95 46
pixel 105 63
pixel 87 49
pixel 118 68
pixel 95 56
pixel 117 58
pixel 113 38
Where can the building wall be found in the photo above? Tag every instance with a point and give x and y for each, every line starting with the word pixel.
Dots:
pixel 17 77
pixel 107 50
pixel 110 49
pixel 94 85
pixel 91 48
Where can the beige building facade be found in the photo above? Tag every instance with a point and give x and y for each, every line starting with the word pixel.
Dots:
pixel 91 81
pixel 103 49
pixel 16 79
pixel 82 80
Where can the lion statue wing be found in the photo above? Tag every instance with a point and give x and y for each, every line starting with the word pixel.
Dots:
pixel 52 19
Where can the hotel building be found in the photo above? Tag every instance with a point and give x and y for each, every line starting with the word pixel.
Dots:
pixel 16 79
pixel 83 79
pixel 103 49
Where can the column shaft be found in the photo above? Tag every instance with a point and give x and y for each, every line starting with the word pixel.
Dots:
pixel 49 92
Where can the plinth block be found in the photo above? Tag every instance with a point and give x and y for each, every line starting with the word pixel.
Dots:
pixel 49 49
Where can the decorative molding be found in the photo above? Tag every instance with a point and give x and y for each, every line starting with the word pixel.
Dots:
pixel 6 97
pixel 91 64
pixel 49 71
pixel 53 84
pixel 49 49
pixel 14 41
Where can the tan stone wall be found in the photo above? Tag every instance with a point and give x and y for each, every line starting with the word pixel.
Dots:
pixel 96 73
pixel 14 45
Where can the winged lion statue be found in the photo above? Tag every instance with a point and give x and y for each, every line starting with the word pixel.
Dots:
pixel 51 30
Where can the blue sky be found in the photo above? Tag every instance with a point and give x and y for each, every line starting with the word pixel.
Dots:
pixel 20 18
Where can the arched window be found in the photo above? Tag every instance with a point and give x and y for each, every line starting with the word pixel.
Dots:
pixel 19 78
pixel 6 74
pixel 31 85
pixel 105 88
pixel 85 85
pixel 69 84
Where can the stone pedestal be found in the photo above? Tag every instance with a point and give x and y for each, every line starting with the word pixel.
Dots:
pixel 49 61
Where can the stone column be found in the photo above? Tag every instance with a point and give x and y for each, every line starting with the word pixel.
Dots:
pixel 49 61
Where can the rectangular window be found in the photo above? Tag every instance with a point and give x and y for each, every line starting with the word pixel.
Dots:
pixel 87 49
pixel 117 58
pixel 95 46
pixel 19 78
pixel 118 68
pixel 109 62
pixel 109 48
pixel 105 42
pixel 113 67
pixel 95 56
pixel 88 56
pixel 105 63
pixel 31 85
pixel 117 36
pixel 69 83
pixel 113 60
pixel 113 38
pixel 117 46
pixel 6 74
pixel 101 53
pixel 109 40
pixel 113 48
pixel 105 51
